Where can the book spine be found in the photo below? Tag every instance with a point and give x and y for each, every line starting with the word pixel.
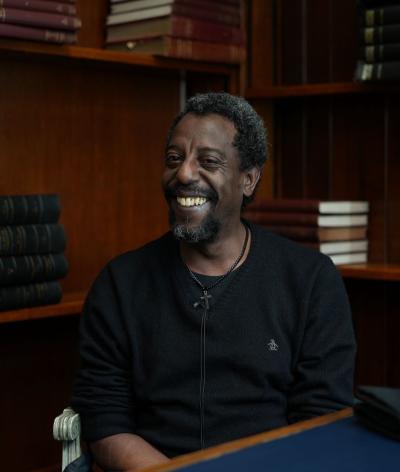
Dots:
pixel 28 209
pixel 29 269
pixel 211 5
pixel 182 27
pixel 380 52
pixel 276 205
pixel 301 233
pixel 37 34
pixel 204 51
pixel 31 239
pixel 378 71
pixel 23 296
pixel 41 19
pixel 380 34
pixel 381 16
pixel 193 11
pixel 40 5
pixel 275 218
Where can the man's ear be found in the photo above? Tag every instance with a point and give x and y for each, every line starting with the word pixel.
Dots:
pixel 251 178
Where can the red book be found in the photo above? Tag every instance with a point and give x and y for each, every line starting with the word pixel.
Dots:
pixel 40 19
pixel 184 49
pixel 310 206
pixel 177 26
pixel 37 34
pixel 40 5
pixel 312 233
pixel 306 219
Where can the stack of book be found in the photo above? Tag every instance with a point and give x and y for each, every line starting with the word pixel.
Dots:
pixel 379 57
pixel 31 251
pixel 39 20
pixel 186 29
pixel 336 228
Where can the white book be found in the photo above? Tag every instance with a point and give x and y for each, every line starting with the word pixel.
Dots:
pixel 343 206
pixel 330 221
pixel 338 247
pixel 349 258
pixel 127 17
pixel 138 5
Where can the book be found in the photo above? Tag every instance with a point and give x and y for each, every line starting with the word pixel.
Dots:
pixel 39 18
pixel 338 247
pixel 380 34
pixel 32 239
pixel 37 34
pixel 177 26
pixel 349 258
pixel 188 10
pixel 310 205
pixel 23 296
pixel 184 49
pixel 35 268
pixel 40 5
pixel 380 52
pixel 306 219
pixel 377 71
pixel 27 209
pixel 381 16
pixel 314 233
pixel 216 7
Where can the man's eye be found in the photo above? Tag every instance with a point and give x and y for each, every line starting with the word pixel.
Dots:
pixel 172 159
pixel 209 162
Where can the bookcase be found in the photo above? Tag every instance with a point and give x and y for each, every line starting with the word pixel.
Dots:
pixel 90 125
pixel 332 138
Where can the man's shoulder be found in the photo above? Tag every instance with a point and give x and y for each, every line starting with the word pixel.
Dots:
pixel 154 251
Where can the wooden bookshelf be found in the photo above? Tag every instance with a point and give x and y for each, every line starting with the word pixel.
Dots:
pixel 70 304
pixel 389 272
pixel 328 88
pixel 30 48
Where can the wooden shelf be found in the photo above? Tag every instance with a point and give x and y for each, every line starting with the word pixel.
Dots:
pixel 338 88
pixel 71 304
pixel 371 271
pixel 103 55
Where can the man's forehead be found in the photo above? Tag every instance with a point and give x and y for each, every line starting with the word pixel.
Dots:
pixel 211 125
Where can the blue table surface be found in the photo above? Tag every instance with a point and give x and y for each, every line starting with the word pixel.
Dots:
pixel 341 446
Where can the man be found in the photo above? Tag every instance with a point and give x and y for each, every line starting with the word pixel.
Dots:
pixel 219 329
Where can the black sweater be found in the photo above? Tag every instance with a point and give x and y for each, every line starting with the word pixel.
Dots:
pixel 279 346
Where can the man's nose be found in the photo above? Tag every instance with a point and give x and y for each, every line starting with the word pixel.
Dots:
pixel 188 171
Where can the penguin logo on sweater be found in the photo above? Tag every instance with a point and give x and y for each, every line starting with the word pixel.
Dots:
pixel 272 346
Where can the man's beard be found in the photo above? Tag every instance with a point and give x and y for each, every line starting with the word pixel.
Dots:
pixel 206 232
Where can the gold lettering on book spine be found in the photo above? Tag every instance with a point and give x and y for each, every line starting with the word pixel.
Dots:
pixel 2 14
pixel 369 35
pixel 369 17
pixel 369 53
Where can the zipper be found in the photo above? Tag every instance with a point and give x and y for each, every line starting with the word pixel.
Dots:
pixel 203 370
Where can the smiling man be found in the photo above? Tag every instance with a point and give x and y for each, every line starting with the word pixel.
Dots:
pixel 218 329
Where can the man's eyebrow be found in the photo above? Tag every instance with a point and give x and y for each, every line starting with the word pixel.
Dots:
pixel 172 147
pixel 211 149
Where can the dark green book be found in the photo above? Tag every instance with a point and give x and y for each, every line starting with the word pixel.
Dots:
pixel 380 34
pixel 380 52
pixel 29 209
pixel 383 15
pixel 16 270
pixel 23 296
pixel 31 239
pixel 378 71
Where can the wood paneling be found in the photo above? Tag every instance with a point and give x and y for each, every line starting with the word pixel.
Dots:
pixel 291 38
pixel 38 362
pixel 317 39
pixel 83 131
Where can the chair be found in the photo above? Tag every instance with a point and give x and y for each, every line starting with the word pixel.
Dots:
pixel 67 428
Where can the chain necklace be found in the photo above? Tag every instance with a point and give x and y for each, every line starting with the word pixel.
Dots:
pixel 206 295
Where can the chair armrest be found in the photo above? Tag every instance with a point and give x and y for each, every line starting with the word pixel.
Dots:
pixel 67 428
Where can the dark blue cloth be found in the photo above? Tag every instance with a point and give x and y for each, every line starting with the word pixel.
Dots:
pixel 345 445
pixel 82 464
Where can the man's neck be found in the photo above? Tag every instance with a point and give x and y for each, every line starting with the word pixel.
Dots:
pixel 217 257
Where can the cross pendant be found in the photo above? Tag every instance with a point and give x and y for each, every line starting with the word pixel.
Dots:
pixel 205 298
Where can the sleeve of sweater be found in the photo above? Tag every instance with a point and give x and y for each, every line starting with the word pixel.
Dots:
pixel 323 374
pixel 102 392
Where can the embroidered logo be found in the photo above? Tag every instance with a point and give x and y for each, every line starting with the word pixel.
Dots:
pixel 272 346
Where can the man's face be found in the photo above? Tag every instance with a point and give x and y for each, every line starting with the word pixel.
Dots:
pixel 202 181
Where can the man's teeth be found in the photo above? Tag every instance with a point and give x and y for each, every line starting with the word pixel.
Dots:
pixel 191 201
